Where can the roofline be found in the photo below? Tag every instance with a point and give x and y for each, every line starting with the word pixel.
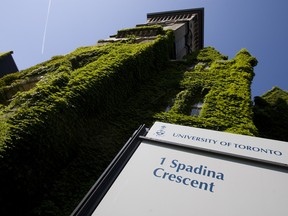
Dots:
pixel 174 12
pixel 6 53
pixel 199 11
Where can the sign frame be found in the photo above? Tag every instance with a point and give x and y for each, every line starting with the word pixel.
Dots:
pixel 98 191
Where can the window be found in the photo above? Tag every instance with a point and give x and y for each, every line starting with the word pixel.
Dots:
pixel 170 105
pixel 168 108
pixel 196 108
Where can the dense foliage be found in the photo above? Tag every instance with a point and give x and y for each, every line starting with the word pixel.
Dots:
pixel 142 31
pixel 63 121
pixel 271 114
pixel 46 109
pixel 224 87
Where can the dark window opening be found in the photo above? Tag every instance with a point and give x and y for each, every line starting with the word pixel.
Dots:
pixel 168 108
pixel 196 108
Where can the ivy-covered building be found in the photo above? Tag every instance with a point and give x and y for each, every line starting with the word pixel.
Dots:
pixel 63 121
pixel 271 114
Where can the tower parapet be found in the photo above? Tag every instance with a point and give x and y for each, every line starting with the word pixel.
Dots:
pixel 187 26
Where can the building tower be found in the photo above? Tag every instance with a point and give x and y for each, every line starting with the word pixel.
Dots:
pixel 58 135
pixel 188 28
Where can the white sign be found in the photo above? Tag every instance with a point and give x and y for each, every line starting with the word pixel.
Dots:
pixel 255 148
pixel 171 181
pixel 162 178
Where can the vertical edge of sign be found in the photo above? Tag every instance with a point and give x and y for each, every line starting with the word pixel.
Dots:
pixel 99 189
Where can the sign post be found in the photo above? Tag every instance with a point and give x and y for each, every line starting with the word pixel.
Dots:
pixel 178 170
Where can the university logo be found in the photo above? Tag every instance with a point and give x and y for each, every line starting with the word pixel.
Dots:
pixel 161 131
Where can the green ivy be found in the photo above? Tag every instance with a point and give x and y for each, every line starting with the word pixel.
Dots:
pixel 128 32
pixel 66 128
pixel 224 85
pixel 42 128
pixel 271 114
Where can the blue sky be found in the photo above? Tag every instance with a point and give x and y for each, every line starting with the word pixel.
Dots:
pixel 257 25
